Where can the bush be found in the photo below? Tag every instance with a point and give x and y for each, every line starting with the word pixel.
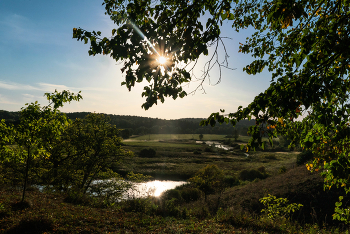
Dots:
pixel 235 145
pixel 230 181
pixel 275 207
pixel 282 170
pixel 197 151
pixel 144 205
pixel 251 175
pixel 172 193
pixel 262 170
pixel 304 156
pixel 208 149
pixel 190 194
pixel 208 179
pixel 147 153
pixel 78 198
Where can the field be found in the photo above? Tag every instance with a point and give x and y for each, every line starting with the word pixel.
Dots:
pixel 179 157
pixel 234 209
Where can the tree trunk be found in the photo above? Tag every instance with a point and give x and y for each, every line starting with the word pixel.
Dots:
pixel 26 175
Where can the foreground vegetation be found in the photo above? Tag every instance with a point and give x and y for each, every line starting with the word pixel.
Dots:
pixel 226 202
pixel 183 210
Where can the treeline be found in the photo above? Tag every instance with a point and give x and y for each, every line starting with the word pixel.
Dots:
pixel 136 125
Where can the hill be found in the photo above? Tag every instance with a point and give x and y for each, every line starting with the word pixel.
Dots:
pixel 138 125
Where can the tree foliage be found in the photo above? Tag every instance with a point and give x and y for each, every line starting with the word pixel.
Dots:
pixel 304 44
pixel 209 179
pixel 95 147
pixel 48 149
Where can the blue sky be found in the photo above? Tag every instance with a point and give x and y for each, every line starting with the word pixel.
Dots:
pixel 38 55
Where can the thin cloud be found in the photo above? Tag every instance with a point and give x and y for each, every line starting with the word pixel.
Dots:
pixel 4 100
pixel 16 86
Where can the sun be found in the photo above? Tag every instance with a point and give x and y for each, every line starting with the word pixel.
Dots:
pixel 161 60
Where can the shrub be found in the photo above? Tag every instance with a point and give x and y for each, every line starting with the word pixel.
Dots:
pixel 230 181
pixel 172 193
pixel 208 149
pixel 78 198
pixel 171 208
pixel 235 145
pixel 283 169
pixel 190 194
pixel 304 156
pixel 251 175
pixel 262 170
pixel 276 207
pixel 276 143
pixel 147 153
pixel 144 205
pixel 197 151
pixel 208 179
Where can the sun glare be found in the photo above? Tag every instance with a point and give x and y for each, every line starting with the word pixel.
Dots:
pixel 161 60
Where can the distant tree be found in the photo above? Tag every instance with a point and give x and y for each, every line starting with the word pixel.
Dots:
pixel 235 134
pixel 125 133
pixel 201 136
pixel 147 153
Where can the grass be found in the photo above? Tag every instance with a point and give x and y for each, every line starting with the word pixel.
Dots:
pixel 235 210
pixel 157 137
pixel 179 157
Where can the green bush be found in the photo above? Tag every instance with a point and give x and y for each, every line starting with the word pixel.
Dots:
pixel 197 151
pixel 230 181
pixel 172 209
pixel 209 180
pixel 304 157
pixel 190 194
pixel 278 207
pixel 282 170
pixel 251 175
pixel 172 193
pixel 147 153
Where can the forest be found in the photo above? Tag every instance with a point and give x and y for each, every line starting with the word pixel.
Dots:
pixel 137 125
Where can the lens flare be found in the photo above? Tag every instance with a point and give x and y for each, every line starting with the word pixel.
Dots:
pixel 161 60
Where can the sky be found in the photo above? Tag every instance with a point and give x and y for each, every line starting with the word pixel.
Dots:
pixel 39 55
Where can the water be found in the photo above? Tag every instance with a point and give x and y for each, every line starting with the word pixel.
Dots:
pixel 152 188
pixel 216 144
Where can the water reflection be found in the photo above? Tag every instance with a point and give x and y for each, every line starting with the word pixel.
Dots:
pixel 152 188
pixel 216 144
pixel 139 190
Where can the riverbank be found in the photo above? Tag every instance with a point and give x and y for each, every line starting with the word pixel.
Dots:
pixel 54 213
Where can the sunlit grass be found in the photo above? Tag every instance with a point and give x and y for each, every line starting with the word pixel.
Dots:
pixel 158 137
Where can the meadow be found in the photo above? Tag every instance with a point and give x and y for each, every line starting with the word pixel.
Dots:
pixel 233 207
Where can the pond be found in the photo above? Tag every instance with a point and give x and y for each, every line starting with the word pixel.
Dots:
pixel 152 188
